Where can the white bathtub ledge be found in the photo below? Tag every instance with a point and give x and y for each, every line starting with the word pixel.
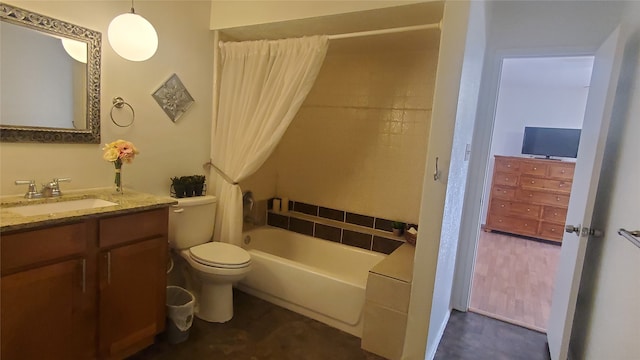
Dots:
pixel 398 265
pixel 387 304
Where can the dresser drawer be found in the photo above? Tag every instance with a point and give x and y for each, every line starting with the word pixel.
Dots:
pixel 558 185
pixel 562 171
pixel 132 227
pixel 551 231
pixel 554 214
pixel 513 225
pixel 535 183
pixel 505 179
pixel 531 182
pixel 508 208
pixel 536 197
pixel 533 168
pixel 503 192
pixel 506 165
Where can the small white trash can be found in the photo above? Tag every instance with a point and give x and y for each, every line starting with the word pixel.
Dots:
pixel 180 308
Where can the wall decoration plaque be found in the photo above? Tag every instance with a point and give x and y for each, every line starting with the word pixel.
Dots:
pixel 173 98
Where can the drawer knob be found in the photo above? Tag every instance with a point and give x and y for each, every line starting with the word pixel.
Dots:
pixel 504 192
pixel 535 168
pixel 500 220
pixel 555 214
pixel 508 165
pixel 530 195
pixel 502 205
pixel 562 172
pixel 528 210
pixel 506 179
pixel 525 225
pixel 533 182
pixel 557 198
pixel 553 230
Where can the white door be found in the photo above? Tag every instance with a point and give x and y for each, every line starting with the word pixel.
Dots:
pixel 604 80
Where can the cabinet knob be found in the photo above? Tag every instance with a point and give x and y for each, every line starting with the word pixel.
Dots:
pixel 508 165
pixel 500 220
pixel 557 198
pixel 501 205
pixel 528 210
pixel 553 230
pixel 562 171
pixel 555 214
pixel 533 182
pixel 525 224
pixel 530 195
pixel 506 179
pixel 504 192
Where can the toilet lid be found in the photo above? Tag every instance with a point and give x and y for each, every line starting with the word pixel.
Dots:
pixel 220 255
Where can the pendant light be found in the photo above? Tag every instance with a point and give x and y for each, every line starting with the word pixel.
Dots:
pixel 132 36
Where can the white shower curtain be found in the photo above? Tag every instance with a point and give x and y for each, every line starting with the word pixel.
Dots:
pixel 262 86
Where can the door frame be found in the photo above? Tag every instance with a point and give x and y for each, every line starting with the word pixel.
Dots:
pixel 478 164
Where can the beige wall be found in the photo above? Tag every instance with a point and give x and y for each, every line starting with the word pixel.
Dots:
pixel 359 141
pixel 429 248
pixel 166 148
pixel 233 13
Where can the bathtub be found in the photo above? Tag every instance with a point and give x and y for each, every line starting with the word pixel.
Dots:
pixel 317 278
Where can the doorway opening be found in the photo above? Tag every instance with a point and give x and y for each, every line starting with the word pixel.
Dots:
pixel 527 190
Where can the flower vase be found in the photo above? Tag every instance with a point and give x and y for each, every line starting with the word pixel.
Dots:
pixel 118 176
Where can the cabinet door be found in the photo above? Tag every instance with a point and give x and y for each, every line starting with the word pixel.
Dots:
pixel 132 296
pixel 41 313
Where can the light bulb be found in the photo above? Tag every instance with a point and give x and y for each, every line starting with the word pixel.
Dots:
pixel 75 49
pixel 132 37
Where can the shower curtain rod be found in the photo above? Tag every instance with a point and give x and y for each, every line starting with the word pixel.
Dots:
pixel 385 31
pixel 379 32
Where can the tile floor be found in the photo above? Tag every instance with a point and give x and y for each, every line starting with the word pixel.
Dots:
pixel 471 336
pixel 262 331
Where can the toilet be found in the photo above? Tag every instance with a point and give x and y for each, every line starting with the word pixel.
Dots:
pixel 216 265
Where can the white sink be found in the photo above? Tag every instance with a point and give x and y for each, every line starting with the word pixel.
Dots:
pixel 61 206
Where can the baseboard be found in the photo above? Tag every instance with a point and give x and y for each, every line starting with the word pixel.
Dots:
pixel 508 320
pixel 434 348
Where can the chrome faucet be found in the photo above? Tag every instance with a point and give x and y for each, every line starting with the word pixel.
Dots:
pixel 51 189
pixel 32 193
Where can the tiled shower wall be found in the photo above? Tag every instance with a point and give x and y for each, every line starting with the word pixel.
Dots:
pixel 359 141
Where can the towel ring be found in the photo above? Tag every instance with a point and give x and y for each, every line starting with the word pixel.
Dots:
pixel 119 103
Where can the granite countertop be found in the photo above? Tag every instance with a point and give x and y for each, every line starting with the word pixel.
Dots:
pixel 129 201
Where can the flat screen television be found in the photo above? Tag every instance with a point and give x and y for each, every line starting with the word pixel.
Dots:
pixel 548 142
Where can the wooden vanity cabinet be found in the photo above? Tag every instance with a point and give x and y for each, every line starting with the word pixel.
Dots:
pixel 92 289
pixel 47 294
pixel 132 279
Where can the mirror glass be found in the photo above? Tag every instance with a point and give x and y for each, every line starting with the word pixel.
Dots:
pixel 50 89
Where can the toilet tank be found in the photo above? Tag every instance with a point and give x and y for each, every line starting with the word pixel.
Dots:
pixel 191 221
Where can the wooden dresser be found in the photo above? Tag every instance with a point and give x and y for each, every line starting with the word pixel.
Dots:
pixel 530 197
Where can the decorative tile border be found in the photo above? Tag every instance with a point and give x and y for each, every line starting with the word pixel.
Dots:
pixel 340 226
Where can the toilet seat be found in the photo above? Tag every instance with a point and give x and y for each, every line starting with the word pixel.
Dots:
pixel 220 255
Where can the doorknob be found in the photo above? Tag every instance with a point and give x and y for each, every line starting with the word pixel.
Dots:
pixel 585 231
pixel 572 229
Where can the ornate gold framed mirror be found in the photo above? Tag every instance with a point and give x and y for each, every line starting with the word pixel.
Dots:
pixel 50 89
